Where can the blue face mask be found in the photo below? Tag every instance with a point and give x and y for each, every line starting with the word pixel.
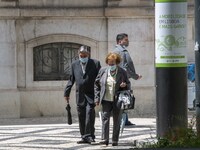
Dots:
pixel 113 67
pixel 83 60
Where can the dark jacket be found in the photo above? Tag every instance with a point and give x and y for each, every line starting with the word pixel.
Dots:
pixel 100 83
pixel 84 82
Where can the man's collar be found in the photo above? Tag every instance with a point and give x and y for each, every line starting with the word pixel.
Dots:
pixel 120 47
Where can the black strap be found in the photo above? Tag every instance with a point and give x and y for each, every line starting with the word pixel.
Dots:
pixel 124 57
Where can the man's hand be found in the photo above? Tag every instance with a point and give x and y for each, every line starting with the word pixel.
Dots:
pixel 139 76
pixel 67 99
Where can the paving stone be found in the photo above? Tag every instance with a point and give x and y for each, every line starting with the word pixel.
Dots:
pixel 55 134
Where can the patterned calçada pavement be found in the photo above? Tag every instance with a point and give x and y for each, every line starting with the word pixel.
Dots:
pixel 55 134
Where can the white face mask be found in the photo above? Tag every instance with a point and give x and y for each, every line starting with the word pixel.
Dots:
pixel 83 60
pixel 113 67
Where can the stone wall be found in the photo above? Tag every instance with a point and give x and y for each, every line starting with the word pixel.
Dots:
pixel 25 24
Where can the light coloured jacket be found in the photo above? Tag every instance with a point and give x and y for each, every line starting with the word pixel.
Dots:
pixel 100 83
pixel 127 62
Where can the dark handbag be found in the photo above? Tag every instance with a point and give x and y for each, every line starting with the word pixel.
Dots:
pixel 125 100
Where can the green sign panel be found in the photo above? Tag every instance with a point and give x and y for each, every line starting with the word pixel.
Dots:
pixel 171 33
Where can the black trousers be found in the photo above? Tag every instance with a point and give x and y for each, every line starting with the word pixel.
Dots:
pixel 107 108
pixel 86 116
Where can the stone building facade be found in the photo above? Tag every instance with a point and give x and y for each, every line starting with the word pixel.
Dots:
pixel 39 39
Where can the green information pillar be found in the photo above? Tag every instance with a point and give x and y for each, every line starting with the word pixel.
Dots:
pixel 171 64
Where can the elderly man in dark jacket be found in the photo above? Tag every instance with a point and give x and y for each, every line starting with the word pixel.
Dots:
pixel 84 72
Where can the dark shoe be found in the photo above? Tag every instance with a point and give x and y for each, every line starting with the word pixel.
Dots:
pixel 90 140
pixel 104 142
pixel 128 123
pixel 82 141
pixel 114 144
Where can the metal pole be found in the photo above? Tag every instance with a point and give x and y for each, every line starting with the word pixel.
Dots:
pixel 197 63
pixel 171 65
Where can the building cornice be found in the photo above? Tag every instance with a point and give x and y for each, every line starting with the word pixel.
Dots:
pixel 109 12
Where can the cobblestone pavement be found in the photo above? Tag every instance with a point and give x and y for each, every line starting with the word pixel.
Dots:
pixel 56 134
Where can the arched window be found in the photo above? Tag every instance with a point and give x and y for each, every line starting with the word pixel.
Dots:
pixel 53 61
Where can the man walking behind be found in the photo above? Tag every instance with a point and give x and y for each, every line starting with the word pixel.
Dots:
pixel 127 62
pixel 84 72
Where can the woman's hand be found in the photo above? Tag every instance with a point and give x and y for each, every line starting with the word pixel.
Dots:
pixel 123 84
pixel 97 103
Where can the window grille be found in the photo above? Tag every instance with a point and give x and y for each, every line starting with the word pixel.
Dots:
pixel 53 61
